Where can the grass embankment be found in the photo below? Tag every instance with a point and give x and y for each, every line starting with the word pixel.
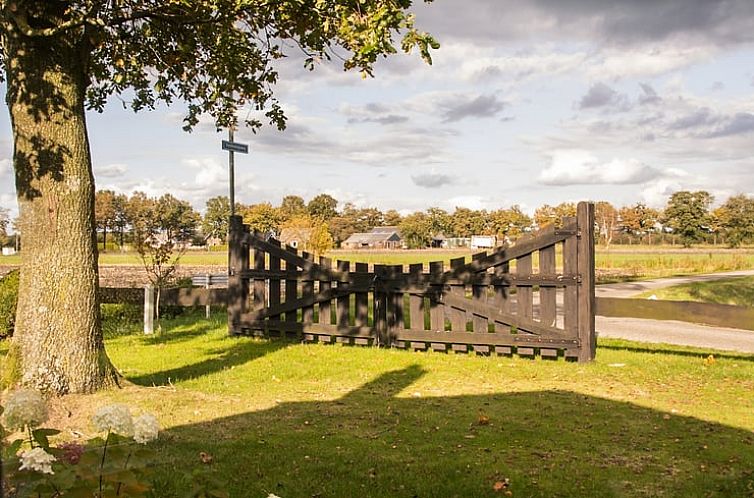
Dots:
pixel 738 291
pixel 313 420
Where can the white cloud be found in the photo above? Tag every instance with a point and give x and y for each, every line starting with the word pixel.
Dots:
pixel 580 167
pixel 110 170
pixel 5 166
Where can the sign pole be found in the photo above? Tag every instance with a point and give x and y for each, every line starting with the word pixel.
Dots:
pixel 231 175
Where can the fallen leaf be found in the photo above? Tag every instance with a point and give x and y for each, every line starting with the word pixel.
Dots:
pixel 206 458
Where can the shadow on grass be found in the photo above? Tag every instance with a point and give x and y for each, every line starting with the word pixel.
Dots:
pixel 636 347
pixel 373 442
pixel 242 351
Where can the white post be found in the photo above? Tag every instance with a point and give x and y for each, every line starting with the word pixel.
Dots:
pixel 148 309
pixel 206 286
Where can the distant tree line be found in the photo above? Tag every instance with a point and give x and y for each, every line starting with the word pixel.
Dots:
pixel 686 219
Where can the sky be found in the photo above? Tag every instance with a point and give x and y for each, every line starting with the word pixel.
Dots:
pixel 527 102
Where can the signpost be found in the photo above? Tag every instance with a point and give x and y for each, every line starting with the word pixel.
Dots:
pixel 233 147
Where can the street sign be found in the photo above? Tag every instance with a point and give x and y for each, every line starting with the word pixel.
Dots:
pixel 235 147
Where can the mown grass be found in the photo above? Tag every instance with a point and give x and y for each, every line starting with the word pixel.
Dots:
pixel 738 291
pixel 312 420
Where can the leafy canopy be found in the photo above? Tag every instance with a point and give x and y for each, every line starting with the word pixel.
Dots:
pixel 216 55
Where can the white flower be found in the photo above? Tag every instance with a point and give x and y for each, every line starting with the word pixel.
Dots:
pixel 24 407
pixel 145 428
pixel 114 418
pixel 37 459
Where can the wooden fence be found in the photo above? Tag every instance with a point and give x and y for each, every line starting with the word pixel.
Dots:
pixel 494 304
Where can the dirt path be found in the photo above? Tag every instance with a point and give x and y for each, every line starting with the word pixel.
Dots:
pixel 670 331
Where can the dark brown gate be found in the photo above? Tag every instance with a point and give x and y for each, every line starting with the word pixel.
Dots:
pixel 496 303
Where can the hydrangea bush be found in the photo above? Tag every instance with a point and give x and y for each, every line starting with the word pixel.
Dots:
pixel 115 463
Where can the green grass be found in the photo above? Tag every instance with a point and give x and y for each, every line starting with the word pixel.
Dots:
pixel 312 420
pixel 738 291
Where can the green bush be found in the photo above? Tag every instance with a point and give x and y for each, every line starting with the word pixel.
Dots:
pixel 121 319
pixel 8 300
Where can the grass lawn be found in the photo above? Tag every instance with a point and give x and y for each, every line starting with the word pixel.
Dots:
pixel 312 420
pixel 738 291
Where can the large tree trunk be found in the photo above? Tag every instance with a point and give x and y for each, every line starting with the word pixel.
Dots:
pixel 58 335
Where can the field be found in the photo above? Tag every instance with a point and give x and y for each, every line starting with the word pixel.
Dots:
pixel 737 291
pixel 620 263
pixel 312 420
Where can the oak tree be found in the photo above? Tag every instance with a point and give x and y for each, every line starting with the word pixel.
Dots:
pixel 61 57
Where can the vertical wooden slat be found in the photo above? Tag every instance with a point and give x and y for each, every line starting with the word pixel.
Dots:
pixel 570 293
pixel 274 289
pixel 237 287
pixel 344 302
pixel 436 308
pixel 362 298
pixel 395 307
pixel 380 305
pixel 324 285
pixel 457 316
pixel 307 289
pixel 502 294
pixel 416 303
pixel 259 297
pixel 479 294
pixel 547 309
pixel 587 336
pixel 291 288
pixel 524 294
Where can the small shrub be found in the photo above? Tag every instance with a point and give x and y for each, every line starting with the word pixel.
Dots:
pixel 121 319
pixel 8 300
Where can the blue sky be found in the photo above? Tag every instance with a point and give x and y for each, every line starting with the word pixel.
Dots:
pixel 527 102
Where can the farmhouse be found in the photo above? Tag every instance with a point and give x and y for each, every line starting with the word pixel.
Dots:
pixel 378 238
pixel 296 237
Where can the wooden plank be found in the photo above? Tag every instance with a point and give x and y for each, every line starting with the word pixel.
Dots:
pixel 344 299
pixel 719 315
pixel 479 294
pixel 380 306
pixel 189 296
pixel 525 351
pixel 407 281
pixel 586 334
pixel 471 338
pixel 325 313
pixel 547 295
pixel 274 293
pixel 362 298
pixel 523 324
pixel 436 308
pixel 395 309
pixel 259 294
pixel 307 290
pixel 500 300
pixel 416 302
pixel 457 313
pixel 570 294
pixel 291 290
pixel 524 295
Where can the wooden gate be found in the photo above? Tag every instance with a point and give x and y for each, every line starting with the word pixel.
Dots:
pixel 496 303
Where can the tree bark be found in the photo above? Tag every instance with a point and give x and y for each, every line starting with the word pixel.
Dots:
pixel 58 333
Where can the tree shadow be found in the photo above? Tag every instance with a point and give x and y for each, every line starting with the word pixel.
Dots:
pixel 242 351
pixel 376 441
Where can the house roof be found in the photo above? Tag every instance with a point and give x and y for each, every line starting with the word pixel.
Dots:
pixel 290 234
pixel 386 229
pixel 372 238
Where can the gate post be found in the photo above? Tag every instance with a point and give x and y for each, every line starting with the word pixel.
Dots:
pixel 238 261
pixel 586 333
pixel 149 309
